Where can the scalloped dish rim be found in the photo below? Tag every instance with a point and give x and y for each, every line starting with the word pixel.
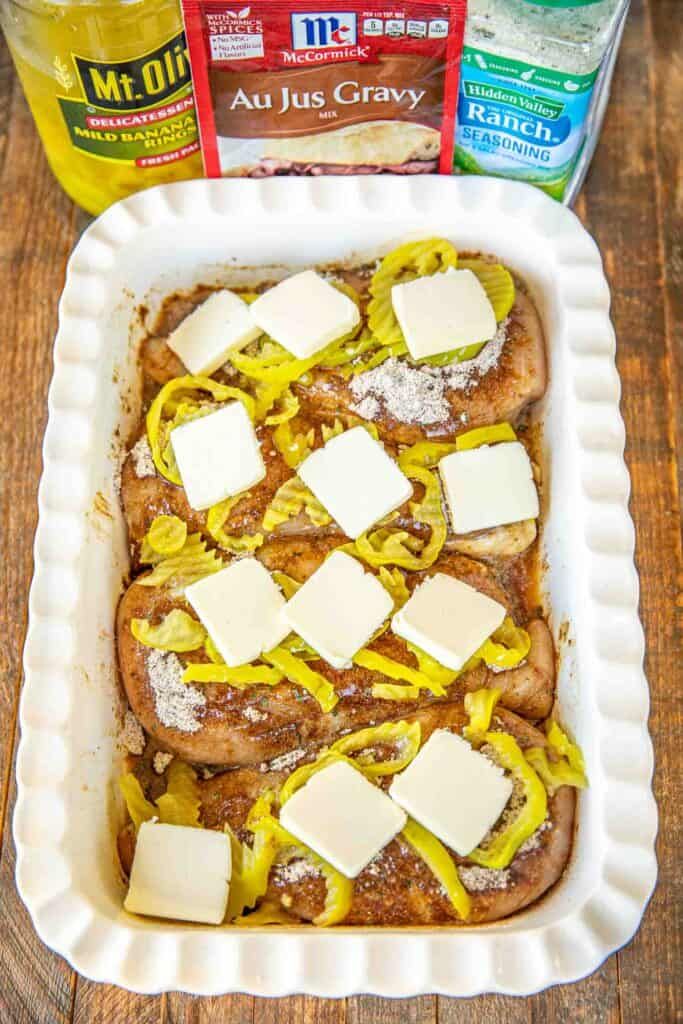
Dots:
pixel 66 812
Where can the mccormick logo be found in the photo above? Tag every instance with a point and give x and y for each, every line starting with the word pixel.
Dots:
pixel 323 31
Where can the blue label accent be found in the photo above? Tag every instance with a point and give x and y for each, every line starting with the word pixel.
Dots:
pixel 481 114
pixel 502 128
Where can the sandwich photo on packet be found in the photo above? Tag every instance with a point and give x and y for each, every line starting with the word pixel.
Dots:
pixel 300 87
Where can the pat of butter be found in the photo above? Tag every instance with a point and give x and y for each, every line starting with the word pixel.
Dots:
pixel 343 817
pixel 218 455
pixel 489 486
pixel 220 325
pixel 338 608
pixel 181 873
pixel 453 790
pixel 304 313
pixel 442 312
pixel 355 479
pixel 242 609
pixel 448 619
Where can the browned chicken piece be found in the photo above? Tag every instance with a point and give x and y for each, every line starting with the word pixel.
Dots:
pixel 248 726
pixel 146 494
pixel 501 393
pixel 397 887
pixel 498 542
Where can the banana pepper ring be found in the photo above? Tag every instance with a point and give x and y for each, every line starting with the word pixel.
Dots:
pixel 169 393
pixel 503 847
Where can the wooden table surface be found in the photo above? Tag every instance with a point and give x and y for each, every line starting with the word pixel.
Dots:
pixel 632 203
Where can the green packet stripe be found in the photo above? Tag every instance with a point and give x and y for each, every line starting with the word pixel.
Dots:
pixel 530 74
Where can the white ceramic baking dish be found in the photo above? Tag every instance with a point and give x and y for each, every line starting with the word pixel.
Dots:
pixel 67 811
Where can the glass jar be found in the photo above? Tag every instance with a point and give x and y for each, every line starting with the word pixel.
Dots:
pixel 534 87
pixel 109 86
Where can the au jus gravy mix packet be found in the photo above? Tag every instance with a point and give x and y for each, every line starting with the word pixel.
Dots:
pixel 303 87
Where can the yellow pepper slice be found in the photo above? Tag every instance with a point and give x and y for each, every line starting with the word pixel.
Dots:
pixel 215 521
pixel 329 431
pixel 191 563
pixel 563 746
pixel 387 546
pixel 291 369
pixel 566 769
pixel 376 662
pixel 212 652
pixel 265 397
pixel 497 283
pixel 338 897
pixel 485 435
pixel 177 631
pixel 424 454
pixel 287 585
pixel 339 889
pixel 301 775
pixel 441 864
pixel 406 262
pixel 394 582
pixel 479 705
pixel 350 350
pixel 139 807
pixel 406 735
pixel 254 865
pixel 298 672
pixel 179 805
pixel 289 500
pixel 294 448
pixel 170 392
pixel 438 673
pixel 296 645
pixel 507 647
pixel 503 847
pixel 166 535
pixel 239 676
pixel 290 408
pixel 251 864
pixel 554 773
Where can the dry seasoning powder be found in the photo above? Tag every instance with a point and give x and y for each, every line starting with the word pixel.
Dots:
pixel 176 703
pixel 533 89
pixel 310 87
pixel 141 454
pixel 417 394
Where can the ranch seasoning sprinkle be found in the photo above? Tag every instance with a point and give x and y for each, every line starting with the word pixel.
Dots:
pixel 533 88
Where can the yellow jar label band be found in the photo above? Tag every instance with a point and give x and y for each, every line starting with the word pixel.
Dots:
pixel 138 111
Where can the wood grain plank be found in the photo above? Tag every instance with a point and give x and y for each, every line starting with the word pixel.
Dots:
pixel 6 90
pixel 623 207
pixel 632 203
pixel 36 986
pixel 184 1009
pixel 299 1010
pixel 36 234
pixel 372 1010
pixel 667 85
pixel 106 1004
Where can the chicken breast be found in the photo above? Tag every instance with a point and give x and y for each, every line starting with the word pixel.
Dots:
pixel 397 887
pixel 500 392
pixel 146 494
pixel 249 726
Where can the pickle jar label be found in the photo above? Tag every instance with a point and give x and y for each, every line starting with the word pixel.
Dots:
pixel 138 111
